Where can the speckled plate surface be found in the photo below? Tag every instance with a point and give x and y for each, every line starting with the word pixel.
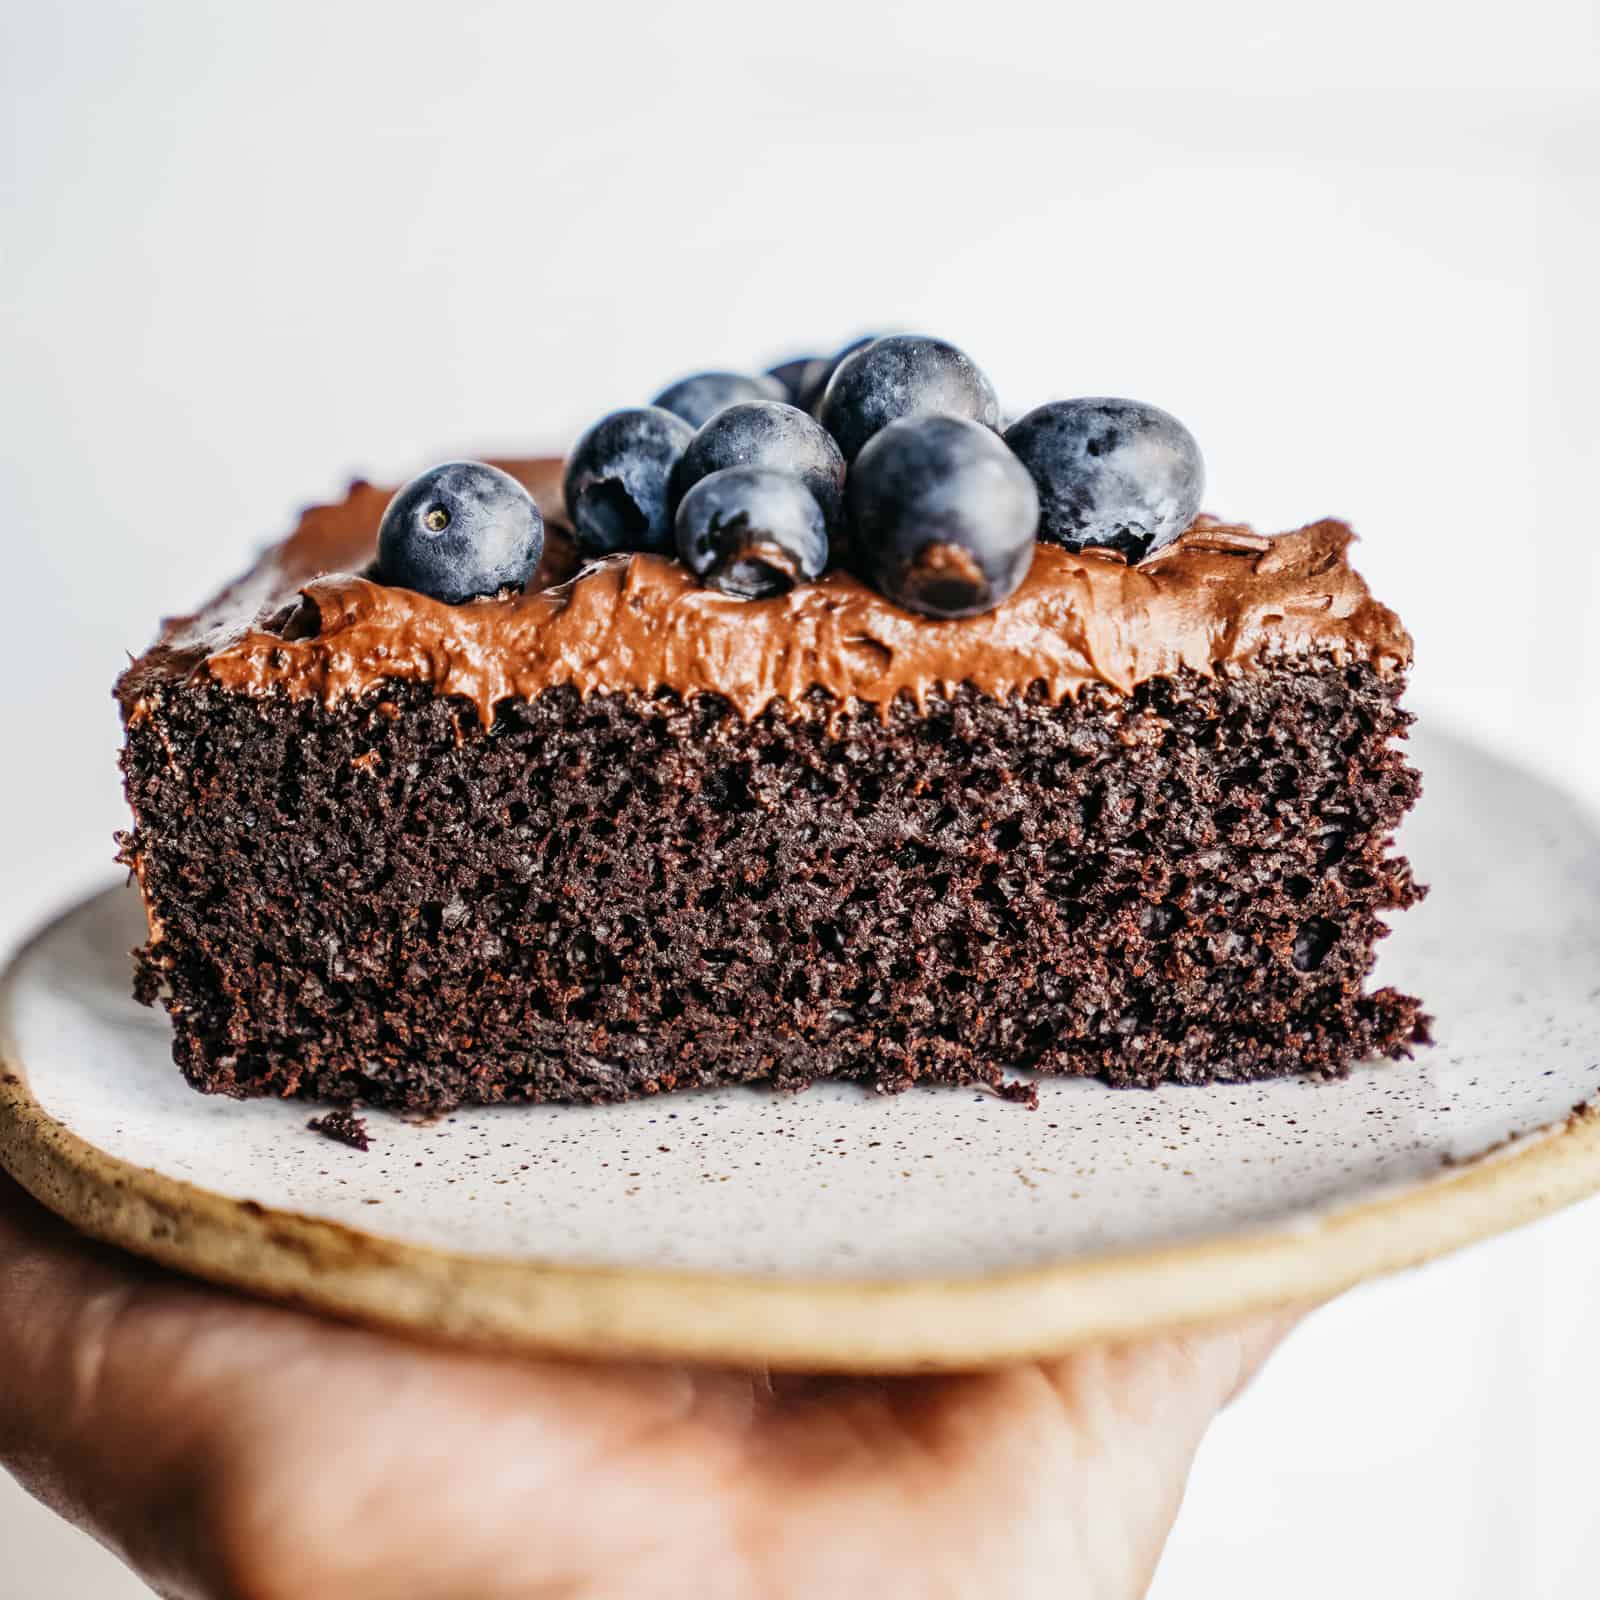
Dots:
pixel 834 1229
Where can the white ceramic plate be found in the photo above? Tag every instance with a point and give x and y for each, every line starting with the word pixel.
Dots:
pixel 837 1229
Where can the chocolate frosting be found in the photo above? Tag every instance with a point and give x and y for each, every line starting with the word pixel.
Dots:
pixel 1222 597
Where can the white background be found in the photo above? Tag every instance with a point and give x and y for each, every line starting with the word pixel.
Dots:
pixel 245 250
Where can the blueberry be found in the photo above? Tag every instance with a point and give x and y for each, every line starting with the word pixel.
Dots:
pixel 619 483
pixel 904 375
pixel 752 532
pixel 943 515
pixel 797 378
pixel 697 399
pixel 460 530
pixel 767 433
pixel 1111 473
pixel 809 397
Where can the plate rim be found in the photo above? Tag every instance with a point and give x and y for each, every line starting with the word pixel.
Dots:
pixel 858 1325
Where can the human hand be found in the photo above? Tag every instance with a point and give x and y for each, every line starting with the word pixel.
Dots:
pixel 232 1450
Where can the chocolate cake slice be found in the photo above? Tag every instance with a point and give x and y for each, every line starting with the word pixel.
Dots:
pixel 621 833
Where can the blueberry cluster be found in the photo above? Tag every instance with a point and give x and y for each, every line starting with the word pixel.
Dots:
pixel 887 457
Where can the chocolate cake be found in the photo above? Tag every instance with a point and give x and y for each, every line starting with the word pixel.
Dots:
pixel 618 833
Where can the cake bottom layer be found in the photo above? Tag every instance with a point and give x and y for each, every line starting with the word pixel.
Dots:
pixel 602 898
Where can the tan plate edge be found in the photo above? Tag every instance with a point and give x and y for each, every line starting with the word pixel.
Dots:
pixel 814 1325
pixel 825 1325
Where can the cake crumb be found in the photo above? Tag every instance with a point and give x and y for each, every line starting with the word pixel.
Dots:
pixel 344 1127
